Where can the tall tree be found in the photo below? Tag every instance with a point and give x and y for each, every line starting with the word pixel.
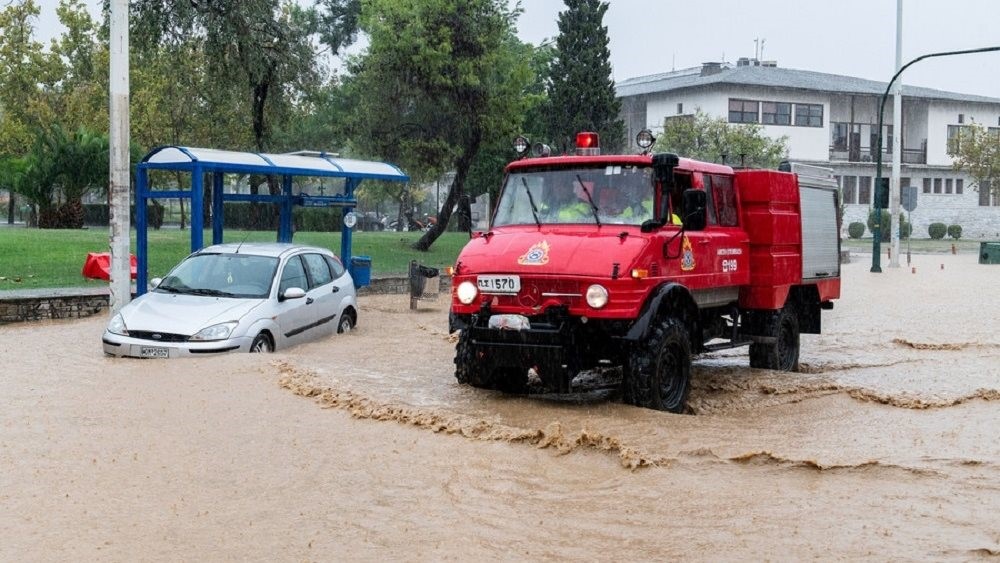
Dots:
pixel 713 140
pixel 264 47
pixel 581 89
pixel 977 152
pixel 435 82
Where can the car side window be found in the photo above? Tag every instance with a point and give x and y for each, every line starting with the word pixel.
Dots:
pixel 335 266
pixel 319 270
pixel 294 275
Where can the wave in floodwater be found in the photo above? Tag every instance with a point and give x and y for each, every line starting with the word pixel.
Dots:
pixel 553 436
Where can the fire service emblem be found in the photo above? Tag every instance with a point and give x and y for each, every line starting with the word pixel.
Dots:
pixel 687 256
pixel 537 255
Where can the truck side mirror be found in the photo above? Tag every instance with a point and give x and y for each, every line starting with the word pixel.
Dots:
pixel 695 202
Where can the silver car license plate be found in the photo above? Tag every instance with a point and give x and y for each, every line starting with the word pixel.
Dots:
pixel 508 284
pixel 154 352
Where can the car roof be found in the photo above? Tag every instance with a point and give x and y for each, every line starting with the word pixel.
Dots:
pixel 274 249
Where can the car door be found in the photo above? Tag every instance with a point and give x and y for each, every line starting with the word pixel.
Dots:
pixel 325 294
pixel 295 317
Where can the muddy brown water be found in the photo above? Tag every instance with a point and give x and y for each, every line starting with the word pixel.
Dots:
pixel 363 447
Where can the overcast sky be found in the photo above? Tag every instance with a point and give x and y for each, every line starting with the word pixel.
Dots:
pixel 849 37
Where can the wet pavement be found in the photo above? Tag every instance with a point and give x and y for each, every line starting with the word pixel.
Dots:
pixel 363 446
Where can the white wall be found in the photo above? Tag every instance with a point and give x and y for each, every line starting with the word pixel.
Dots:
pixel 942 114
pixel 804 143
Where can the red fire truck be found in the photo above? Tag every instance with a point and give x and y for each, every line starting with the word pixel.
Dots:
pixel 641 261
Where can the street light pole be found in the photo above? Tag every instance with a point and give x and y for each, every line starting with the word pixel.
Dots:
pixel 876 232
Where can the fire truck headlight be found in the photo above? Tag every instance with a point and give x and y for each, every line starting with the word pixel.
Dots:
pixel 597 296
pixel 467 292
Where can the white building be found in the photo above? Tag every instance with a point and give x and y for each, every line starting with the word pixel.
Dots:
pixel 831 120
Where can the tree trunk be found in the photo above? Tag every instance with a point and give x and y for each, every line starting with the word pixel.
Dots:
pixel 10 208
pixel 455 192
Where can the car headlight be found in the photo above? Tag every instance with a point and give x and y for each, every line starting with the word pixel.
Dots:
pixel 220 331
pixel 467 292
pixel 597 296
pixel 117 326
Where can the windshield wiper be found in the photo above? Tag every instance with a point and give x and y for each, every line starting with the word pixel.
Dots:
pixel 593 207
pixel 170 289
pixel 210 292
pixel 531 200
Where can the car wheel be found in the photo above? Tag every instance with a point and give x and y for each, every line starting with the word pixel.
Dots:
pixel 659 371
pixel 346 323
pixel 262 343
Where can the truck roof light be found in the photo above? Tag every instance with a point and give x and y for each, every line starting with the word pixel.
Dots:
pixel 645 139
pixel 588 144
pixel 541 149
pixel 521 145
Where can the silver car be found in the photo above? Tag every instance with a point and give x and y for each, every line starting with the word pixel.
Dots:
pixel 250 297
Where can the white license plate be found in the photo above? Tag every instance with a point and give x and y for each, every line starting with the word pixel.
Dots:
pixel 499 284
pixel 154 352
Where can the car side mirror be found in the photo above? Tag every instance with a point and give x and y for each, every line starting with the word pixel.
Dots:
pixel 292 293
pixel 694 202
pixel 155 282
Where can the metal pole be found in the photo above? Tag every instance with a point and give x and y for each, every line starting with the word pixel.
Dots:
pixel 121 279
pixel 876 243
pixel 897 146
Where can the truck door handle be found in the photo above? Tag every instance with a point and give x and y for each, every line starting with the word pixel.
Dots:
pixel 703 242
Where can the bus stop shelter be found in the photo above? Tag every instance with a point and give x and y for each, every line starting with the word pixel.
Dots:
pixel 215 164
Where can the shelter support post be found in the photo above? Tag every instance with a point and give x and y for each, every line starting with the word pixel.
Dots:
pixel 285 225
pixel 197 208
pixel 217 215
pixel 141 240
pixel 345 232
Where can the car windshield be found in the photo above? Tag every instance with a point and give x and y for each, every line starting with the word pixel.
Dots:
pixel 617 194
pixel 242 276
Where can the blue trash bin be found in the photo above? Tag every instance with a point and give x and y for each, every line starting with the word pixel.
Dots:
pixel 361 270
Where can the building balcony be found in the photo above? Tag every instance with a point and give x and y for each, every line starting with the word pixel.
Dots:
pixel 867 154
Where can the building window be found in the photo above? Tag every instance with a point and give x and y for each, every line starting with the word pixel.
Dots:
pixel 850 189
pixel 961 118
pixel 955 135
pixel 947 185
pixel 865 189
pixel 838 136
pixel 680 108
pixel 776 113
pixel 927 185
pixel 809 115
pixel 984 194
pixel 937 185
pixel 959 184
pixel 743 111
pixel 904 182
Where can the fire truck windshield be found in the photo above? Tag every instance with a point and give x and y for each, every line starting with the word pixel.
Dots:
pixel 612 194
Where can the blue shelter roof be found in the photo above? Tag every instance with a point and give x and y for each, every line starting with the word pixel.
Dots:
pixel 322 164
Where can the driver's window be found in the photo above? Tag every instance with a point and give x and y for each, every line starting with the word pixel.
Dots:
pixel 294 275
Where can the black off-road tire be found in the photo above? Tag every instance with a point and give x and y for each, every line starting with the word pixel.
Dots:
pixel 658 374
pixel 783 354
pixel 469 371
pixel 262 343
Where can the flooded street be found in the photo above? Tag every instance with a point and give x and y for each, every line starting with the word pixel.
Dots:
pixel 363 446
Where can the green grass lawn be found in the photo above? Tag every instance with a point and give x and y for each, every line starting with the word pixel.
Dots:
pixel 46 258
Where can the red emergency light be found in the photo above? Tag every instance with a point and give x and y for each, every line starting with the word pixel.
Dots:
pixel 588 143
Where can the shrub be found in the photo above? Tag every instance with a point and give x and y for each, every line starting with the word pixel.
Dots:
pixel 904 226
pixel 955 231
pixel 856 229
pixel 937 230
